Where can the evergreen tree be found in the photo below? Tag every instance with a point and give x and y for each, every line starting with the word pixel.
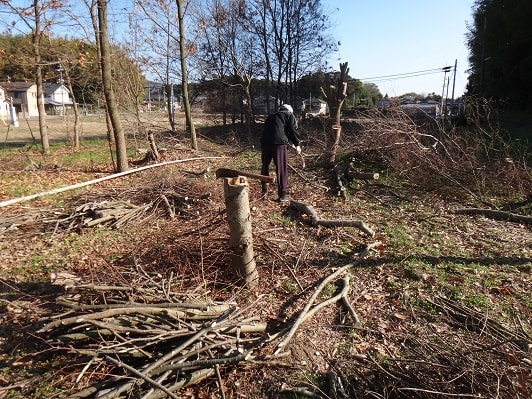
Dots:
pixel 500 44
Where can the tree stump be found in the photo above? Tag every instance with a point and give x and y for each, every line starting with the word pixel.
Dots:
pixel 240 233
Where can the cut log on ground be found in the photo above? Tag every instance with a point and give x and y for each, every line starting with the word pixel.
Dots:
pixel 315 220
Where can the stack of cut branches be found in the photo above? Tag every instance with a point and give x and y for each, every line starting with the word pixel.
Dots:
pixel 117 214
pixel 111 213
pixel 162 347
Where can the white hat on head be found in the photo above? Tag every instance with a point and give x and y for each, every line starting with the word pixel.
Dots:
pixel 286 107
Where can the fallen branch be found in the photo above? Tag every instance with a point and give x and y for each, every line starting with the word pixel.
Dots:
pixel 290 269
pixel 304 315
pixel 101 179
pixel 189 314
pixel 308 310
pixel 498 215
pixel 144 377
pixel 300 391
pixel 325 188
pixel 315 220
pixel 347 173
pixel 479 322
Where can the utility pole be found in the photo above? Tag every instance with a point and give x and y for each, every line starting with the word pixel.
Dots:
pixel 60 69
pixel 443 100
pixel 454 83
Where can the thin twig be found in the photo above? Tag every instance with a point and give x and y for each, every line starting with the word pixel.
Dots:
pixel 141 375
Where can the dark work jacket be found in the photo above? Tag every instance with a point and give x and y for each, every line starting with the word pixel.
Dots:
pixel 280 128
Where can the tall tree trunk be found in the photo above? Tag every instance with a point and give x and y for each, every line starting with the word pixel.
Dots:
pixel 184 76
pixel 93 10
pixel 169 85
pixel 105 61
pixel 36 41
pixel 247 107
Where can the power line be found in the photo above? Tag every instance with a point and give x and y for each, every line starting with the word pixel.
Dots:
pixel 399 77
pixel 386 78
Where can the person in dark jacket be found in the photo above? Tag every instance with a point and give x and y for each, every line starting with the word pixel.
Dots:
pixel 280 131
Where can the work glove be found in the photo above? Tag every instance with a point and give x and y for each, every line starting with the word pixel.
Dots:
pixel 298 150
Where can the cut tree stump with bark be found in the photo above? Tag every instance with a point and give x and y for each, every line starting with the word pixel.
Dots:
pixel 240 232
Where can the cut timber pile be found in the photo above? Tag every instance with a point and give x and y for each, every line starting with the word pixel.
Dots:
pixel 115 214
pixel 162 347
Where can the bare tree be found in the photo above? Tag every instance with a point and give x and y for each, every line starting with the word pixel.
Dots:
pixel 294 40
pixel 227 52
pixel 165 18
pixel 212 56
pixel 70 57
pixel 335 94
pixel 36 40
pixel 92 6
pixel 67 68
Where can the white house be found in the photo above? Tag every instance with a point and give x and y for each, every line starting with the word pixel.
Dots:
pixel 315 107
pixel 23 96
pixel 56 98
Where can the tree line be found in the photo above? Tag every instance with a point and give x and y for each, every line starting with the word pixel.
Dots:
pixel 239 49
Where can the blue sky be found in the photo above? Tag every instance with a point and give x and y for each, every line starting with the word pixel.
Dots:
pixel 391 37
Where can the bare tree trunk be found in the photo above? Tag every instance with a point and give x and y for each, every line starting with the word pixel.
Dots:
pixel 93 7
pixel 240 234
pixel 336 95
pixel 36 41
pixel 120 141
pixel 184 77
pixel 247 107
pixel 169 85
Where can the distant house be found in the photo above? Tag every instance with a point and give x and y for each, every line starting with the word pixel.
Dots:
pixel 315 107
pixel 56 98
pixel 154 92
pixel 24 97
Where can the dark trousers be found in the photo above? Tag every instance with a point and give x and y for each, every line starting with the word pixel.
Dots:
pixel 279 155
